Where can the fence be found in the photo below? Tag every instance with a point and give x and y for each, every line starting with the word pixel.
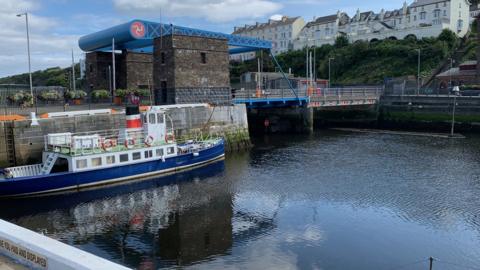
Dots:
pixel 15 99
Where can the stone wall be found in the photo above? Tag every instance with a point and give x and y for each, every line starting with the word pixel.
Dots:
pixel 193 121
pixel 133 70
pixel 190 69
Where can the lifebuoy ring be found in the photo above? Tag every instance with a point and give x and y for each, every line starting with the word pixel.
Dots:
pixel 108 144
pixel 129 143
pixel 149 140
pixel 169 138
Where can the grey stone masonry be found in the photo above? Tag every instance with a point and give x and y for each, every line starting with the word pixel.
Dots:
pixel 190 69
pixel 133 70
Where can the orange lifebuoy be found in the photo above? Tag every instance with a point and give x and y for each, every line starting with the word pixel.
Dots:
pixel 129 142
pixel 169 138
pixel 108 144
pixel 149 140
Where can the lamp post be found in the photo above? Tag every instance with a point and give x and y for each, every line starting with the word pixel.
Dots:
pixel 456 91
pixel 329 70
pixel 28 50
pixel 418 71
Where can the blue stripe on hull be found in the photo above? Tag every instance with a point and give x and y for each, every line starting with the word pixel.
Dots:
pixel 59 182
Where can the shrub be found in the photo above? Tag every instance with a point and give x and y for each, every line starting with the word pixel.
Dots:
pixel 50 95
pixel 22 98
pixel 78 94
pixel 121 93
pixel 100 94
pixel 141 92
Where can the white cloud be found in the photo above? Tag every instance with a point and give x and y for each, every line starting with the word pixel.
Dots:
pixel 48 49
pixel 212 10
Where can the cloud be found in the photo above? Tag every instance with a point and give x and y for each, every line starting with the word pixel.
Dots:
pixel 48 48
pixel 212 10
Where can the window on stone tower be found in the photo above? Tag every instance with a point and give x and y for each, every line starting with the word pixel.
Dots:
pixel 162 58
pixel 204 57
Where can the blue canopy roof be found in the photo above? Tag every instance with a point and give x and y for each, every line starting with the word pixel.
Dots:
pixel 138 35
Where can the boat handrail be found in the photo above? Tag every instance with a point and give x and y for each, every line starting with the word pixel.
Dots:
pixel 27 170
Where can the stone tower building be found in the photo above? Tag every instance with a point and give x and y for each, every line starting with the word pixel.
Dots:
pixel 189 69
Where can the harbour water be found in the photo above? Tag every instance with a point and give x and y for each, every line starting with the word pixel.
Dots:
pixel 331 200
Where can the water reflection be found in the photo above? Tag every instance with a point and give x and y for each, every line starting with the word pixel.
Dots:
pixel 328 201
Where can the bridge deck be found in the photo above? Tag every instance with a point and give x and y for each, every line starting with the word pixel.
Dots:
pixel 329 97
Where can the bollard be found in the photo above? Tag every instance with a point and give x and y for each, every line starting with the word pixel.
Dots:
pixel 431 263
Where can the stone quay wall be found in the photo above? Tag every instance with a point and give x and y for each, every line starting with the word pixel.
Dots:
pixel 189 121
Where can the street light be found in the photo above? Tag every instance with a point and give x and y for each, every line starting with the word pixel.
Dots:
pixel 28 50
pixel 329 70
pixel 418 71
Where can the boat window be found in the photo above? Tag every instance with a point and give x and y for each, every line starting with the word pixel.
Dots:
pixel 159 152
pixel 96 161
pixel 110 159
pixel 123 157
pixel 81 163
pixel 170 150
pixel 136 155
pixel 160 118
pixel 144 118
pixel 148 154
pixel 151 118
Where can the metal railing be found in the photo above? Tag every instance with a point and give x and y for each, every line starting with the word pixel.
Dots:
pixel 313 94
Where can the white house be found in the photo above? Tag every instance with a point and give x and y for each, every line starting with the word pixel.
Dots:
pixel 323 30
pixel 281 33
pixel 422 18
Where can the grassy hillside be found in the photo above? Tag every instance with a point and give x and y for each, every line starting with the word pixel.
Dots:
pixel 364 62
pixel 49 77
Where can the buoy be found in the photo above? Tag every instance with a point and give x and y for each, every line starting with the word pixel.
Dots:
pixel 129 143
pixel 169 138
pixel 149 140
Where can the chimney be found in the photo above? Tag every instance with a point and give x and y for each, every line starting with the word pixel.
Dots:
pixel 357 16
pixel 382 14
pixel 404 9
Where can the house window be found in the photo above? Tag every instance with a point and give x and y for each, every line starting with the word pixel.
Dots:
pixel 414 9
pixel 414 17
pixel 170 150
pixel 203 57
pixel 444 4
pixel 460 24
pixel 162 58
pixel 159 152
pixel 423 15
pixel 444 13
pixel 136 156
pixel 436 5
pixel 148 154
pixel 436 13
pixel 90 67
pixel 400 21
pixel 81 163
pixel 124 158
pixel 96 162
pixel 110 159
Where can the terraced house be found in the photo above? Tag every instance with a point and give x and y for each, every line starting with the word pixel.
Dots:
pixel 422 18
pixel 281 33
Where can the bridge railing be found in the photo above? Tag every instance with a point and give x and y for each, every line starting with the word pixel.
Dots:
pixel 325 93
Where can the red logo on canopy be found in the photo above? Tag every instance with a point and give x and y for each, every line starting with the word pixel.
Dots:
pixel 137 29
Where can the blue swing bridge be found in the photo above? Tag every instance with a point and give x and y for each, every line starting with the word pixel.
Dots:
pixel 139 35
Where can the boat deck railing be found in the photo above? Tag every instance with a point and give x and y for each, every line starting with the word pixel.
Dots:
pixel 101 141
pixel 23 171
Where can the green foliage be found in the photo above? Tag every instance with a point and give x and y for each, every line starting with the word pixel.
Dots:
pixel 449 37
pixel 50 95
pixel 55 76
pixel 341 41
pixel 100 94
pixel 21 98
pixel 140 92
pixel 78 94
pixel 121 93
pixel 367 62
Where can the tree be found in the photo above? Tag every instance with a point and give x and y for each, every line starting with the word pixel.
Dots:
pixel 341 41
pixel 448 37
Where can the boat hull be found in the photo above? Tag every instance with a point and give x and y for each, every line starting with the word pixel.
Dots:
pixel 75 181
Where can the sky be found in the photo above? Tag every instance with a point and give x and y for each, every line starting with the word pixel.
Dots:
pixel 56 25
